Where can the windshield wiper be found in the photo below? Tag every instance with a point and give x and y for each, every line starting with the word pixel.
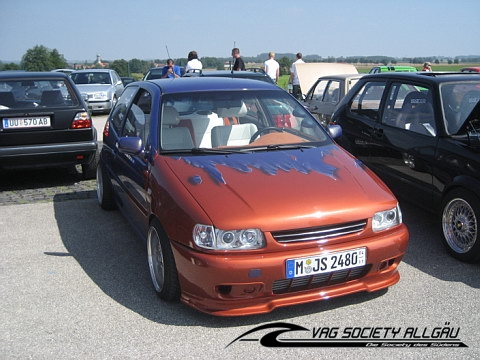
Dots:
pixel 218 151
pixel 284 147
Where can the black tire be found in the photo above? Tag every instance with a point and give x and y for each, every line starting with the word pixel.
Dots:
pixel 460 220
pixel 105 194
pixel 161 263
pixel 89 170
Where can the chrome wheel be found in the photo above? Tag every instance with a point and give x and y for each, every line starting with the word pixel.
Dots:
pixel 156 261
pixel 161 263
pixel 460 225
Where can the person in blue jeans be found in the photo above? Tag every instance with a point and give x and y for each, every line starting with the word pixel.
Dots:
pixel 171 70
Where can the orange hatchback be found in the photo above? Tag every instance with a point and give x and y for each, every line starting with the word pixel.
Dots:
pixel 244 200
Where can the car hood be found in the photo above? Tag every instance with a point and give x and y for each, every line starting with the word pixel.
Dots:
pixel 90 88
pixel 282 189
pixel 308 73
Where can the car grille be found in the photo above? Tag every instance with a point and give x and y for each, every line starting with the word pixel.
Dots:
pixel 317 281
pixel 319 233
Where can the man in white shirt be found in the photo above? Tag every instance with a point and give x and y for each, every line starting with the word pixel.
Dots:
pixel 272 67
pixel 193 62
pixel 297 92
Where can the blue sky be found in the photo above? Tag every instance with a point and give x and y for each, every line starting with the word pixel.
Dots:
pixel 145 29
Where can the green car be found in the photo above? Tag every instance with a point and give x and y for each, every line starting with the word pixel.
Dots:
pixel 380 69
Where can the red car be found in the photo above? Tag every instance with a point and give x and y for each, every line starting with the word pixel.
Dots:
pixel 241 213
pixel 474 69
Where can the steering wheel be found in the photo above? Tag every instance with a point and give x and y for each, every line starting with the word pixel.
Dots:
pixel 266 129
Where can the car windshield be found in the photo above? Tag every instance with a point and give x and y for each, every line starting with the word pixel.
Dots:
pixel 237 120
pixel 83 78
pixel 458 101
pixel 27 94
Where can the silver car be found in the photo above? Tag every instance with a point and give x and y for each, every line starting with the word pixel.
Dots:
pixel 100 87
pixel 326 93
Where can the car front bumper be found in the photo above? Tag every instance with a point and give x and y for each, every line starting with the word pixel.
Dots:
pixel 233 285
pixel 103 106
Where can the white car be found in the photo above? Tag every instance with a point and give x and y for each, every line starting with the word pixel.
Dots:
pixel 100 87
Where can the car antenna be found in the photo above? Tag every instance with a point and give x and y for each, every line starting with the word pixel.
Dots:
pixel 168 54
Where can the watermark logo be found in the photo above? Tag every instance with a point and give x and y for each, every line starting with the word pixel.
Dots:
pixel 280 335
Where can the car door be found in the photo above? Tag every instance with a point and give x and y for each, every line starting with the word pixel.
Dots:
pixel 132 170
pixel 323 97
pixel 406 141
pixel 359 120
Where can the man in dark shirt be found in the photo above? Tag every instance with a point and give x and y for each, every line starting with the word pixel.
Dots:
pixel 238 65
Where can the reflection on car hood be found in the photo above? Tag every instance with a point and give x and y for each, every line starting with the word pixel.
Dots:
pixel 282 189
pixel 89 88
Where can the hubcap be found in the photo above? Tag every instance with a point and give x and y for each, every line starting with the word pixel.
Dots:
pixel 459 225
pixel 155 259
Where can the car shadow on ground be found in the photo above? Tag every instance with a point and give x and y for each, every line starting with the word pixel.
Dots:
pixel 115 259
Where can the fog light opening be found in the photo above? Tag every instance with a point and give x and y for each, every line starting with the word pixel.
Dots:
pixel 224 289
pixel 386 264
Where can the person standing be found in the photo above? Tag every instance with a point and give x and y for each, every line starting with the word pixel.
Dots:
pixel 171 70
pixel 193 63
pixel 427 66
pixel 296 90
pixel 272 67
pixel 238 65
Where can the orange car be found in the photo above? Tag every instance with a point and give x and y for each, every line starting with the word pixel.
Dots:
pixel 243 213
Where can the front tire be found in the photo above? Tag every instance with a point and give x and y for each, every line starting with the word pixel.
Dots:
pixel 460 225
pixel 105 194
pixel 161 263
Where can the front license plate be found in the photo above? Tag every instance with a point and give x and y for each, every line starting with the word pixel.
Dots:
pixel 26 122
pixel 326 263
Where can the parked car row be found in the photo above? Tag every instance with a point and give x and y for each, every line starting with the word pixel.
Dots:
pixel 243 195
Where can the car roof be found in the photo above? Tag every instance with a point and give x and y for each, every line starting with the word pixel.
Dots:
pixel 194 84
pixel 5 75
pixel 341 76
pixel 91 70
pixel 426 76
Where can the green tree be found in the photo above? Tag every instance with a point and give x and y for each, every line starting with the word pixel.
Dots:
pixel 285 65
pixel 40 58
pixel 9 66
pixel 121 67
pixel 58 60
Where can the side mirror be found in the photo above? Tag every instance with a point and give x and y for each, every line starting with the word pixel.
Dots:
pixel 131 145
pixel 335 131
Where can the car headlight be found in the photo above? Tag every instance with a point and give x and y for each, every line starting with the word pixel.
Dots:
pixel 383 220
pixel 102 95
pixel 208 237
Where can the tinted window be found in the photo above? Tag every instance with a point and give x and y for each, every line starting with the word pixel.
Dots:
pixel 366 102
pixel 119 112
pixel 410 108
pixel 137 122
pixel 19 94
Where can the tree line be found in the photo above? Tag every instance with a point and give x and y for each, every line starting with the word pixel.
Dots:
pixel 40 58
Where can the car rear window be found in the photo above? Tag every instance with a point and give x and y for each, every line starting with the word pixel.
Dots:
pixel 28 94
